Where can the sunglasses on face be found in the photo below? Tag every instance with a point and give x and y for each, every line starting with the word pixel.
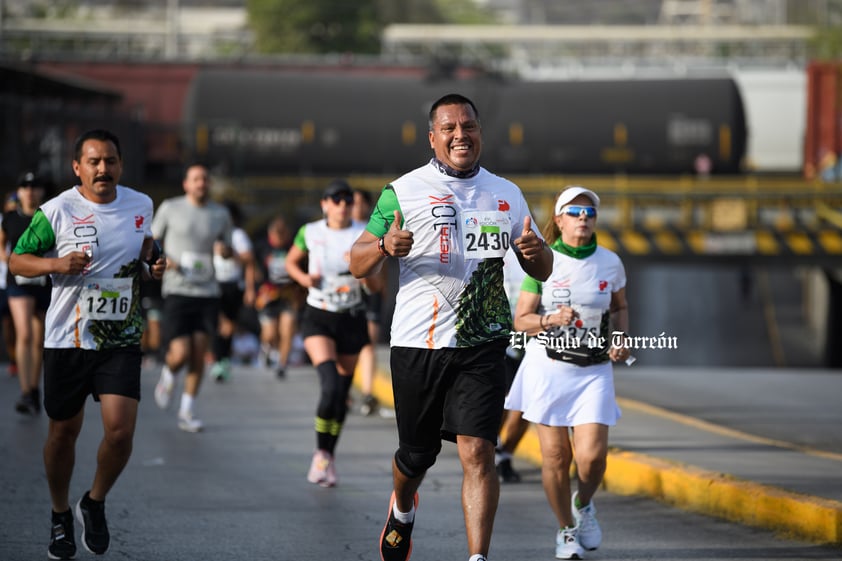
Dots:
pixel 581 211
pixel 338 198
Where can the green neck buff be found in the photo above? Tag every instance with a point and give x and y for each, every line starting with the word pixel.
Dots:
pixel 576 252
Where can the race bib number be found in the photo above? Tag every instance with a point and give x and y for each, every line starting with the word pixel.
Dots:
pixel 485 234
pixel 106 299
pixel 585 328
pixel 277 268
pixel 342 292
pixel 196 267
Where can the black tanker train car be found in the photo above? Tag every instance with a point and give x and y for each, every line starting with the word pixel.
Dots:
pixel 270 123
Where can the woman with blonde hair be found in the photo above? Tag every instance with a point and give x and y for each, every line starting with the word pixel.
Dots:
pixel 577 320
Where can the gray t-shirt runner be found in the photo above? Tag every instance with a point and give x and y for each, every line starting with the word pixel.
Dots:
pixel 188 233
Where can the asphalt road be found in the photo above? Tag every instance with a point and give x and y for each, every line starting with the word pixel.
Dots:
pixel 800 407
pixel 238 492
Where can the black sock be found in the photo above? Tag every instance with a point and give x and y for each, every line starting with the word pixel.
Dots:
pixel 59 516
pixel 87 500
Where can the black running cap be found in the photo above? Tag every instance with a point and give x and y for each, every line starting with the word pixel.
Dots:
pixel 30 179
pixel 337 187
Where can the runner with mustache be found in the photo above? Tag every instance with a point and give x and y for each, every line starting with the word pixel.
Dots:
pixel 94 241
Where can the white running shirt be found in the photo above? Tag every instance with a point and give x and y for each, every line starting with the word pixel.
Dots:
pixel 560 394
pixel 99 309
pixel 329 252
pixel 585 285
pixel 451 283
pixel 230 269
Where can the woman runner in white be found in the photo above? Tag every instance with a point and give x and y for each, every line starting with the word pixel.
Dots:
pixel 334 325
pixel 565 384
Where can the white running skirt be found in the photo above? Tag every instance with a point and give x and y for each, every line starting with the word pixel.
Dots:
pixel 559 394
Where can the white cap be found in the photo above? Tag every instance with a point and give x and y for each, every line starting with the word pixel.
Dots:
pixel 571 193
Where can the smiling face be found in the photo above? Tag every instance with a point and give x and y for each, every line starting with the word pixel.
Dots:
pixel 576 230
pixel 456 136
pixel 99 168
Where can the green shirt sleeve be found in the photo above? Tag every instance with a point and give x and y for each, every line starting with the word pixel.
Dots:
pixel 532 285
pixel 38 238
pixel 299 240
pixel 384 212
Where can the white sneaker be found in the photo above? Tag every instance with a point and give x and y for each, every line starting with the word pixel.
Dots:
pixel 188 423
pixel 567 545
pixel 331 478
pixel 590 534
pixel 319 468
pixel 163 389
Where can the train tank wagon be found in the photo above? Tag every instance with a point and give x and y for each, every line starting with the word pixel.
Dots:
pixel 278 123
pixel 270 123
pixel 623 126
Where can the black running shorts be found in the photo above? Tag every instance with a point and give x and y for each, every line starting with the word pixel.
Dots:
pixel 70 375
pixel 186 315
pixel 442 393
pixel 231 300
pixel 348 329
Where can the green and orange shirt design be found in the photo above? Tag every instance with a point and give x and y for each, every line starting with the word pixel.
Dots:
pixel 100 308
pixel 451 284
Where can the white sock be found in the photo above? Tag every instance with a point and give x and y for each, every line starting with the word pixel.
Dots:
pixel 477 557
pixel 404 517
pixel 186 404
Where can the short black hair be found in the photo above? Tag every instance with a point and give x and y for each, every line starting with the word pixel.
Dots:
pixel 194 164
pixel 450 99
pixel 96 134
pixel 366 195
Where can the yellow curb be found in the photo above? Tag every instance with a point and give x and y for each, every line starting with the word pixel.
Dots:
pixel 691 488
pixel 715 494
pixel 381 388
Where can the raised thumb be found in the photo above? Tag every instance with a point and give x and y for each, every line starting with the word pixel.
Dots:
pixel 527 225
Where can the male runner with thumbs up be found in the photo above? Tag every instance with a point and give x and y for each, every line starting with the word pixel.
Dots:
pixel 449 223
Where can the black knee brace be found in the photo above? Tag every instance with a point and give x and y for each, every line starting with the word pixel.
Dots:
pixel 415 463
pixel 341 404
pixel 330 385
